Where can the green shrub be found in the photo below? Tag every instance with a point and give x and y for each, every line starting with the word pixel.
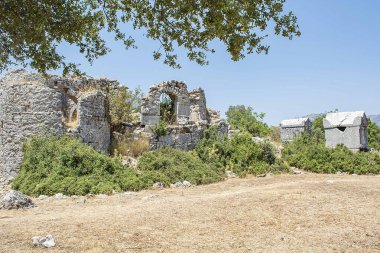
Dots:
pixel 124 104
pixel 239 154
pixel 65 165
pixel 373 135
pixel 310 153
pixel 160 129
pixel 169 165
pixel 246 120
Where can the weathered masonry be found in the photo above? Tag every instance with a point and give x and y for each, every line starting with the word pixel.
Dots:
pixel 32 104
pixel 191 114
pixel 292 128
pixel 347 128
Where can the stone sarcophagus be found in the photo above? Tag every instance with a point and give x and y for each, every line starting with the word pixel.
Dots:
pixel 292 128
pixel 347 128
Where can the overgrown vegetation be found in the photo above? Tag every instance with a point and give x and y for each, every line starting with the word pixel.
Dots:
pixel 373 135
pixel 167 111
pixel 160 129
pixel 130 147
pixel 169 165
pixel 125 104
pixel 239 154
pixel 275 134
pixel 65 165
pixel 310 153
pixel 246 120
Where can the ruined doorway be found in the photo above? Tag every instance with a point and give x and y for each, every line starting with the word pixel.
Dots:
pixel 167 109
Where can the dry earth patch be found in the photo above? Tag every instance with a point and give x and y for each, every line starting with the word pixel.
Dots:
pixel 286 213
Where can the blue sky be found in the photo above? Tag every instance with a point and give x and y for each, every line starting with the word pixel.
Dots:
pixel 334 64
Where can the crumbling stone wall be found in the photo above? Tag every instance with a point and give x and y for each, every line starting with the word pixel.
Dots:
pixel 198 109
pixel 192 116
pixel 32 104
pixel 150 108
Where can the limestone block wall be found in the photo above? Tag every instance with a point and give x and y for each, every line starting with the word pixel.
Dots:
pixel 93 126
pixel 185 138
pixel 198 109
pixel 32 104
pixel 192 116
pixel 25 109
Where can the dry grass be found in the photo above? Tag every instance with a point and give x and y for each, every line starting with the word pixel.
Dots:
pixel 132 147
pixel 287 213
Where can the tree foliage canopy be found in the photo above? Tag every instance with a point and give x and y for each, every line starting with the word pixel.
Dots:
pixel 246 120
pixel 31 30
pixel 125 104
pixel 373 135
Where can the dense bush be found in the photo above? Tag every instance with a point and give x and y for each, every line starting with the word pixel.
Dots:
pixel 160 129
pixel 65 165
pixel 52 165
pixel 169 165
pixel 125 104
pixel 246 120
pixel 373 135
pixel 275 134
pixel 239 154
pixel 310 153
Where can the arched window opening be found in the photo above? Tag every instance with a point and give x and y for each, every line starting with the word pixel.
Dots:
pixel 167 109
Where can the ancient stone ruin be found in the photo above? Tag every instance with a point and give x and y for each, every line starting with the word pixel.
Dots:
pixel 191 114
pixel 33 104
pixel 347 128
pixel 292 128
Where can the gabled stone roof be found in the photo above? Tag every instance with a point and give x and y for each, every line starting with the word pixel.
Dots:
pixel 344 119
pixel 300 122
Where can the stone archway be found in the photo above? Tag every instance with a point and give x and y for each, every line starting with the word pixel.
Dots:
pixel 150 111
pixel 168 109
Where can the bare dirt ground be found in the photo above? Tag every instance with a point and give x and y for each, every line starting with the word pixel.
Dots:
pixel 286 213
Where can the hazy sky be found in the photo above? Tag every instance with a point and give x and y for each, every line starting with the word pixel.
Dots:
pixel 334 64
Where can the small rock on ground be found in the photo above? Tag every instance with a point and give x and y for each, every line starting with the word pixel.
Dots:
pixel 15 200
pixel 230 174
pixel 158 185
pixel 59 196
pixel 44 241
pixel 42 197
pixel 130 162
pixel 176 185
pixel 265 175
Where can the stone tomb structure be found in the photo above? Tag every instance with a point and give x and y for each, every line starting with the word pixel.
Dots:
pixel 347 128
pixel 32 104
pixel 191 116
pixel 292 128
